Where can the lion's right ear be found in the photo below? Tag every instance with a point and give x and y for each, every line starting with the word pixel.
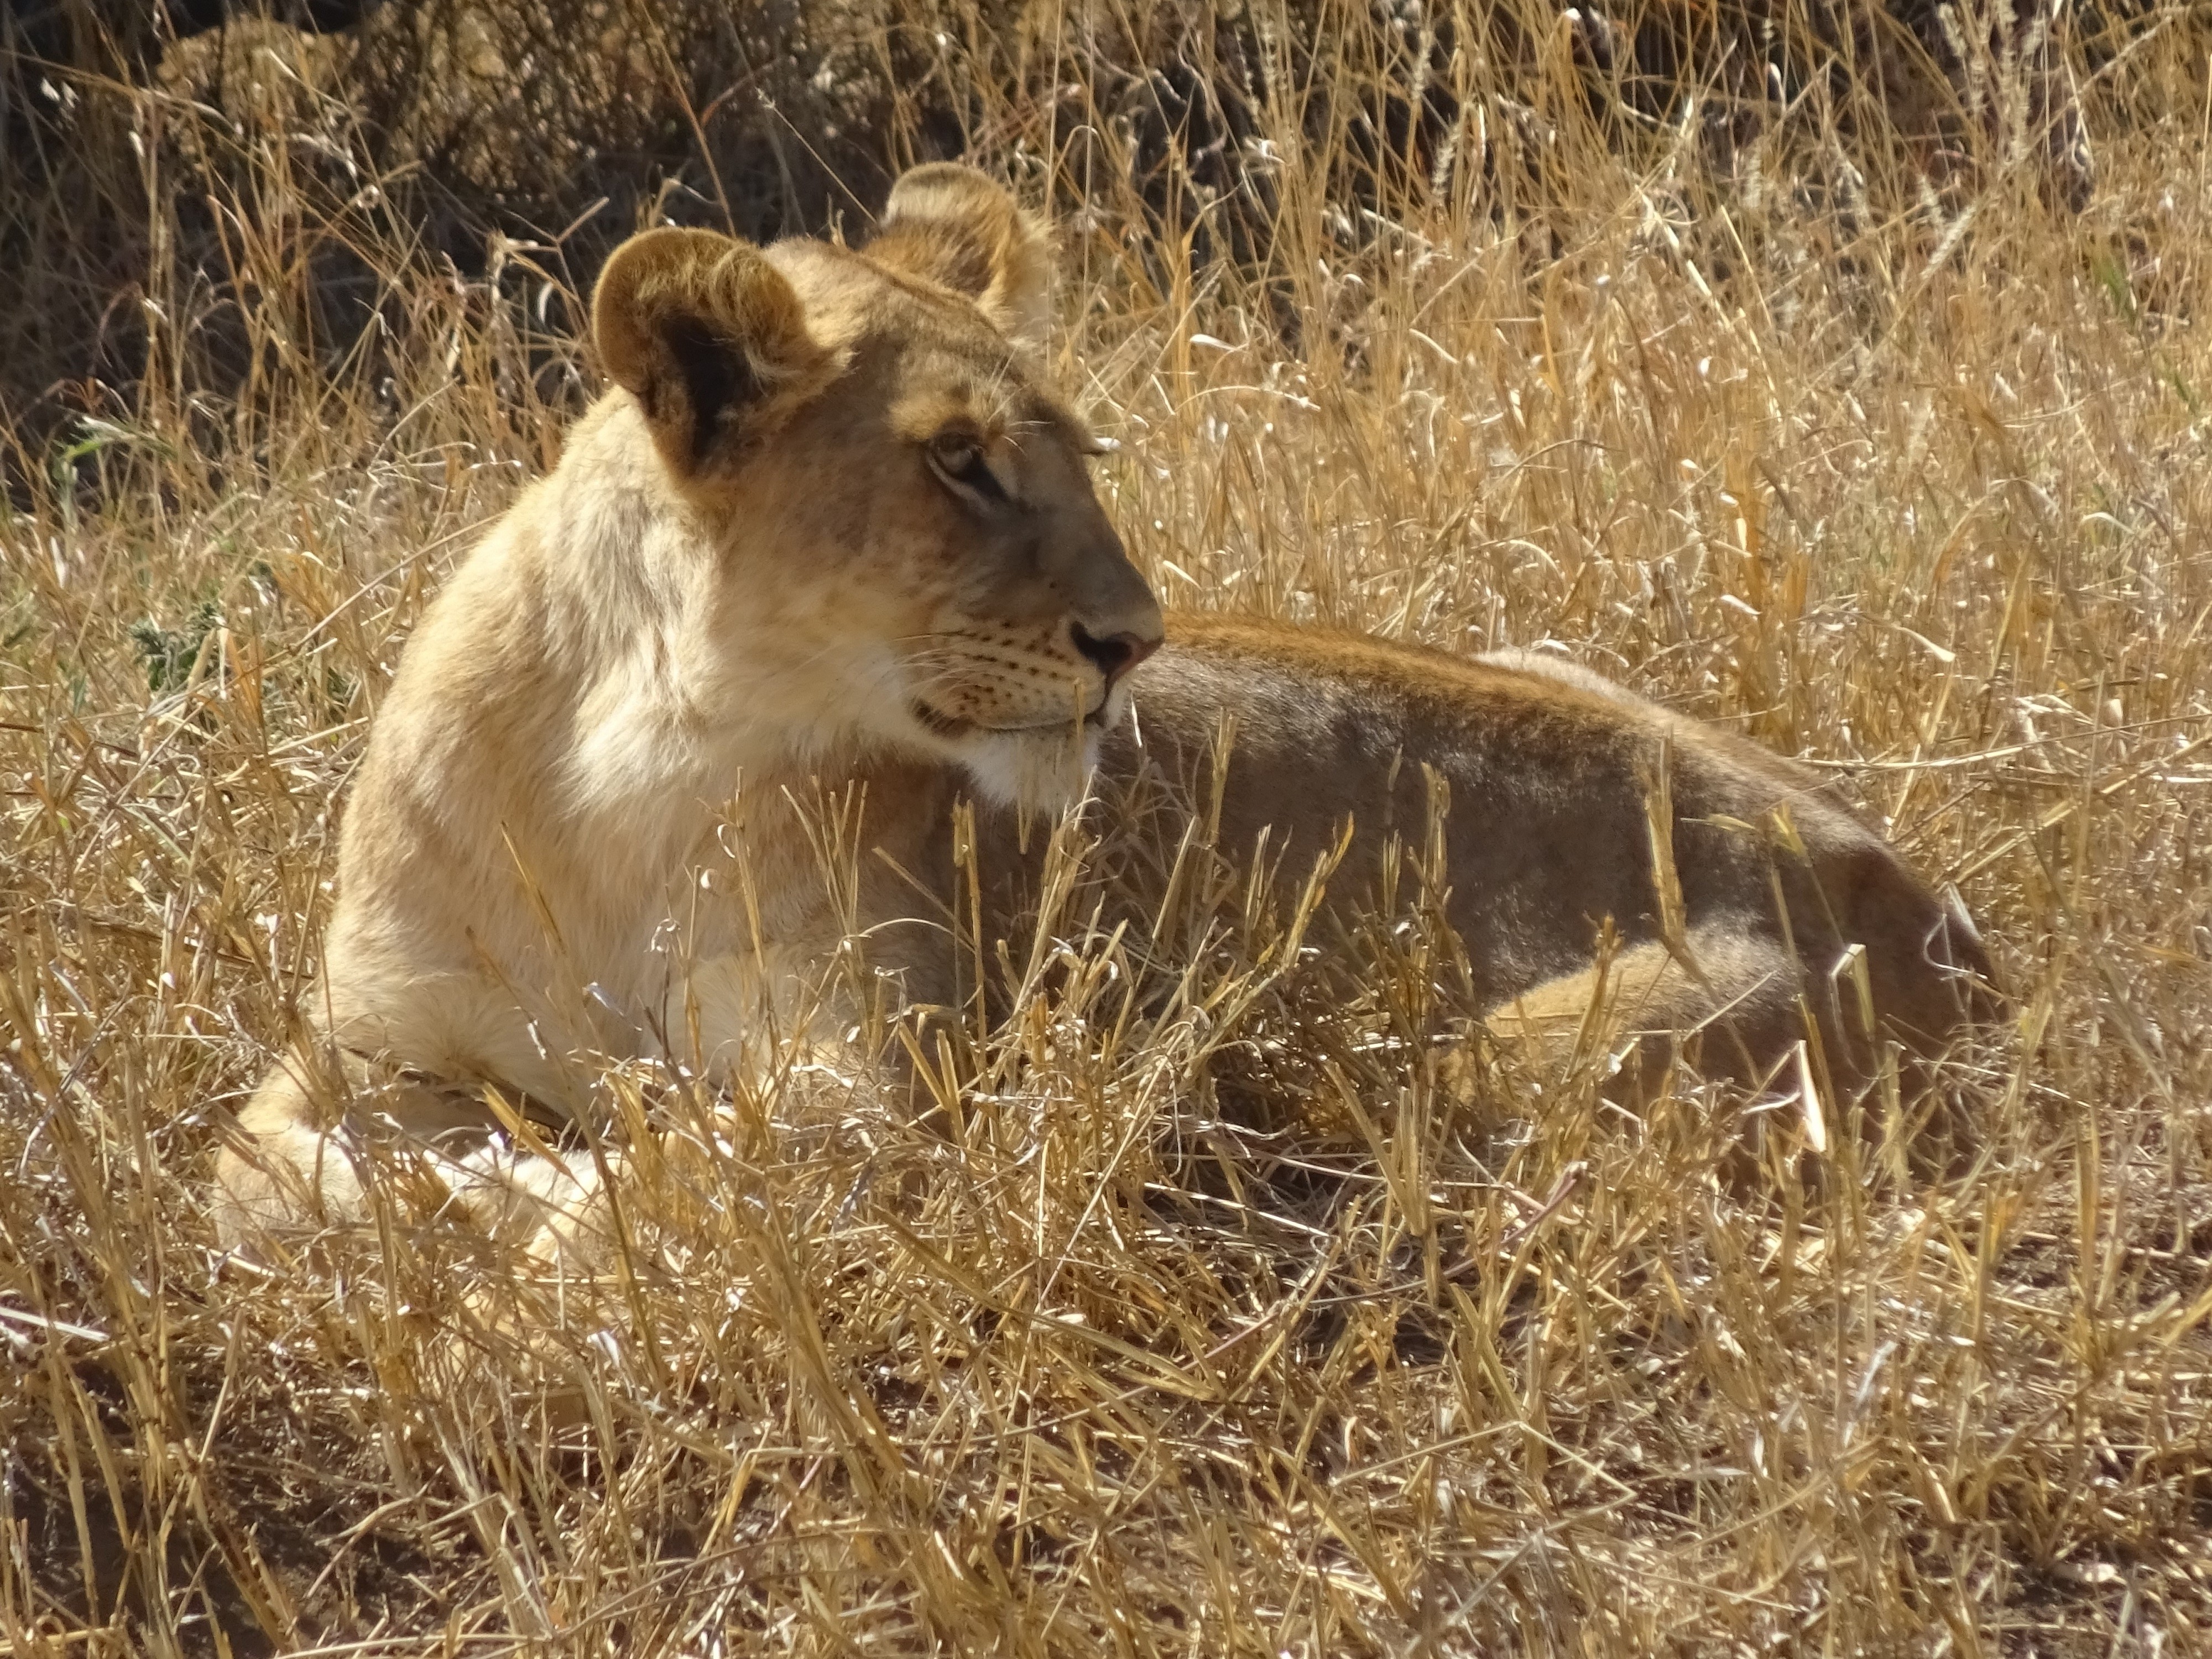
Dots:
pixel 706 335
pixel 963 229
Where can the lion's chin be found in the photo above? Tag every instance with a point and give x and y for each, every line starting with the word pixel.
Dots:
pixel 1044 769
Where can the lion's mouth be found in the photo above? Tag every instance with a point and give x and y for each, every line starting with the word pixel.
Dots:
pixel 941 724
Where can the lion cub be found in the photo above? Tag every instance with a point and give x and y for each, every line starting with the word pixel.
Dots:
pixel 830 526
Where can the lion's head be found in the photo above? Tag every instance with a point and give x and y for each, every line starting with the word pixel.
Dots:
pixel 908 533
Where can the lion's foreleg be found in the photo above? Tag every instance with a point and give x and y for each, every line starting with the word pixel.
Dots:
pixel 320 1142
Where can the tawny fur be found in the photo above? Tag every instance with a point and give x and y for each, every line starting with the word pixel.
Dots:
pixel 830 529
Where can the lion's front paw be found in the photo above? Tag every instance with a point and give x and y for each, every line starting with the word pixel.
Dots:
pixel 576 1238
pixel 556 1214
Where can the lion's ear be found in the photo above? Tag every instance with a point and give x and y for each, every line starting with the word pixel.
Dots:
pixel 706 333
pixel 957 227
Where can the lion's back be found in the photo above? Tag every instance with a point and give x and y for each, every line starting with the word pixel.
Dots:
pixel 1550 778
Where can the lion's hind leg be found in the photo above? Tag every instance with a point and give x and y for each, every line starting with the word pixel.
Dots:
pixel 1727 1001
pixel 1738 1003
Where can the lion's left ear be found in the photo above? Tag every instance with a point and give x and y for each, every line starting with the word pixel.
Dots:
pixel 710 338
pixel 957 227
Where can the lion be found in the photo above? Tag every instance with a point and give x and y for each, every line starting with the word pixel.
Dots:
pixel 829 529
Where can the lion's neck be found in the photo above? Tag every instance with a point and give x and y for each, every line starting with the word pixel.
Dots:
pixel 683 687
pixel 675 711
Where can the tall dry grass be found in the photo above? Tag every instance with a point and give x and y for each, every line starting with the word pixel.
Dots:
pixel 1910 480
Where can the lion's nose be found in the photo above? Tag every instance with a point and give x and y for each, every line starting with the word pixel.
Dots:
pixel 1115 655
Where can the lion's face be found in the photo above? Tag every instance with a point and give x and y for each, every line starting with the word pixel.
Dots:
pixel 910 538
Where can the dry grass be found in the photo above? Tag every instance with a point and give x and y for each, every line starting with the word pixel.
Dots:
pixel 1915 486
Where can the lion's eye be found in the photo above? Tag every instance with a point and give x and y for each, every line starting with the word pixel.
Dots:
pixel 960 463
